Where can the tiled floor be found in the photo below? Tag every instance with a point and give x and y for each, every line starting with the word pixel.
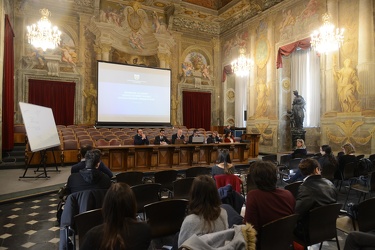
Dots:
pixel 30 223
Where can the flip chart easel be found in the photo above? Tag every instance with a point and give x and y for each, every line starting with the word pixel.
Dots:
pixel 41 133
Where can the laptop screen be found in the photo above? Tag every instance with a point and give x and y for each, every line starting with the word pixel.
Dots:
pixel 179 141
pixel 198 140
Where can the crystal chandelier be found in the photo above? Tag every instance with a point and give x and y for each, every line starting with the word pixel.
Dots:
pixel 327 39
pixel 41 34
pixel 242 65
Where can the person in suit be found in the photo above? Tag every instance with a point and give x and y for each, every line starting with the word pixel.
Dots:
pixel 82 164
pixel 120 228
pixel 214 138
pixel 178 135
pixel 140 138
pixel 89 177
pixel 161 139
pixel 195 134
pixel 314 192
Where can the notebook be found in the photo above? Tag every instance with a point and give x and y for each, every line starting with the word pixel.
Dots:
pixel 197 140
pixel 179 141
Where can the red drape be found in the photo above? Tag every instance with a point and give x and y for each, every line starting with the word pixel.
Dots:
pixel 197 109
pixel 59 96
pixel 8 88
pixel 288 49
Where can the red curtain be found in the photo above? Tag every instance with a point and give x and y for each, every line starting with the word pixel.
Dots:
pixel 59 96
pixel 197 109
pixel 8 88
pixel 288 49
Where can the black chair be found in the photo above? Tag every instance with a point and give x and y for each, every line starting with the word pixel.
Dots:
pixel 181 188
pixel 278 234
pixel 166 217
pixel 293 188
pixel 77 203
pixel 359 157
pixel 328 172
pixel 365 216
pixel 131 178
pixel 321 226
pixel 196 171
pixel 363 189
pixel 286 171
pixel 166 179
pixel 85 221
pixel 146 194
pixel 349 173
pixel 271 158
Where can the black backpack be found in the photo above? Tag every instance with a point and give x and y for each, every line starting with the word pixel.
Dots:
pixel 365 166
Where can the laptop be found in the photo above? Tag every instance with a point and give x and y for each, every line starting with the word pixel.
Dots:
pixel 179 141
pixel 197 140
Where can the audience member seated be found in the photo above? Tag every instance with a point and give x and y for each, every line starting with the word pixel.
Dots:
pixel 195 134
pixel 161 139
pixel 89 177
pixel 140 138
pixel 314 192
pixel 360 241
pixel 178 135
pixel 228 137
pixel 267 202
pixel 327 159
pixel 224 164
pixel 82 164
pixel 300 150
pixel 120 229
pixel 214 138
pixel 205 214
pixel 345 157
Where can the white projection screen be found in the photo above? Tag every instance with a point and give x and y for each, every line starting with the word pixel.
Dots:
pixel 131 95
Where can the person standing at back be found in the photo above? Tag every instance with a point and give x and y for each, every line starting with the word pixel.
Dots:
pixel 314 192
pixel 89 177
pixel 140 138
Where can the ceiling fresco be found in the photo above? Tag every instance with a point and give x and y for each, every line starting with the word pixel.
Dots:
pixel 211 4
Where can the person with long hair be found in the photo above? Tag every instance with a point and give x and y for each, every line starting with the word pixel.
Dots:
pixel 120 229
pixel 205 214
pixel 328 160
pixel 223 164
pixel 300 150
pixel 228 137
pixel 267 202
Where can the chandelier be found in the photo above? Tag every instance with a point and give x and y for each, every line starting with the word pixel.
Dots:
pixel 327 39
pixel 242 65
pixel 42 34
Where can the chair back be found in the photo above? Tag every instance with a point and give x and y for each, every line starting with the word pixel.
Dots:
pixel 271 158
pixel 293 188
pixel 366 218
pixel 328 171
pixel 131 178
pixel 224 179
pixel 87 220
pixel 196 171
pixel 166 217
pixel 278 234
pixel 349 170
pixel 146 194
pixel 181 188
pixel 322 223
pixel 166 178
pixel 293 163
pixel 284 159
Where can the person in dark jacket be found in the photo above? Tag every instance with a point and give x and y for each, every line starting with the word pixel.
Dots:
pixel 140 138
pixel 82 164
pixel 89 177
pixel 314 192
pixel 161 139
pixel 300 151
pixel 214 138
pixel 347 156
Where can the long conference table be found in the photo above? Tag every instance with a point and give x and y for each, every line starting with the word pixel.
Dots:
pixel 146 158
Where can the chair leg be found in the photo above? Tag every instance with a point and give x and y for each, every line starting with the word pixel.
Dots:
pixel 337 242
pixel 321 244
pixel 347 196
